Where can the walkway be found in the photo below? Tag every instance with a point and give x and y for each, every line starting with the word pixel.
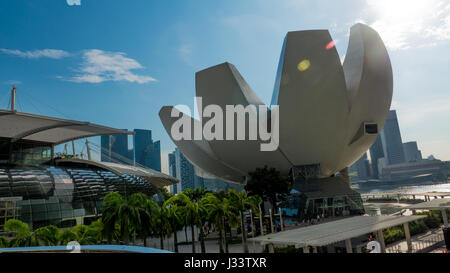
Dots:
pixel 426 242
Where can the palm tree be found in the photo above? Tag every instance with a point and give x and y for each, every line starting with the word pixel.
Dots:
pixel 190 210
pixel 86 235
pixel 96 231
pixel 121 212
pixel 217 211
pixel 164 224
pixel 24 237
pixel 147 211
pixel 3 242
pixel 47 236
pixel 66 236
pixel 241 203
pixel 174 213
pixel 197 195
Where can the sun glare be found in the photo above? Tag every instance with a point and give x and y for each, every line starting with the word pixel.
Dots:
pixel 401 21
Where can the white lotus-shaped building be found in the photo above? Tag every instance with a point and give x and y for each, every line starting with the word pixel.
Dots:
pixel 329 113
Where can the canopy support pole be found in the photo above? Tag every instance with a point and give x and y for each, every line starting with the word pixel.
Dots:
pixel 73 149
pixel 88 150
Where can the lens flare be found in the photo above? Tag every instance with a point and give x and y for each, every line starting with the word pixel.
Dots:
pixel 303 65
pixel 331 44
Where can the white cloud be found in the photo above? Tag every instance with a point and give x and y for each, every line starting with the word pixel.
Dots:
pixel 36 54
pixel 99 66
pixel 405 24
pixel 73 2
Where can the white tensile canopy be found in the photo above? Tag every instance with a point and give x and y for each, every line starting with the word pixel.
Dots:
pixel 25 126
pixel 53 131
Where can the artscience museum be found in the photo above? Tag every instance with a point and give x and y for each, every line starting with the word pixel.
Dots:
pixel 329 115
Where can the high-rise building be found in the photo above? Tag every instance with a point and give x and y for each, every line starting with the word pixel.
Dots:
pixel 192 177
pixel 176 188
pixel 105 154
pixel 362 167
pixel 119 149
pixel 392 140
pixel 146 152
pixel 376 152
pixel 412 152
pixel 115 149
pixel 212 183
pixel 184 171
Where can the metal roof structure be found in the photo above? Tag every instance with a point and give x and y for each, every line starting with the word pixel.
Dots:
pixel 25 126
pixel 443 203
pixel 156 178
pixel 335 231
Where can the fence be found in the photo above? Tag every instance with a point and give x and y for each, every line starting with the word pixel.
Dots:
pixel 418 246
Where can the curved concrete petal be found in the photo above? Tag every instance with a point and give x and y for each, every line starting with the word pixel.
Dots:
pixel 368 74
pixel 223 85
pixel 198 151
pixel 311 92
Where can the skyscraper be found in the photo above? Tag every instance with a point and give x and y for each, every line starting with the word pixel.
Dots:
pixel 173 172
pixel 119 149
pixel 392 140
pixel 412 152
pixel 376 152
pixel 105 154
pixel 362 167
pixel 115 149
pixel 144 152
pixel 147 152
pixel 184 171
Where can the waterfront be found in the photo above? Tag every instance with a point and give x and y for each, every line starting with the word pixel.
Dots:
pixel 426 187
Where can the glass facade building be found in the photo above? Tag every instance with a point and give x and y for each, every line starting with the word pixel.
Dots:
pixel 40 188
pixel 376 152
pixel 184 171
pixel 147 153
pixel 412 152
pixel 192 177
pixel 115 149
pixel 61 196
pixel 328 197
pixel 392 140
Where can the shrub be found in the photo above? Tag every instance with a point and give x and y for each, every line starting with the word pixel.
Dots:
pixel 417 227
pixel 432 222
pixel 394 234
pixel 289 249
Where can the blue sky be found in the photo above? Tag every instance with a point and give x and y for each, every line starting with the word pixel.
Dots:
pixel 117 62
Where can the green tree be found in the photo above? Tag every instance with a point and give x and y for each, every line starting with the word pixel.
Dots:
pixel 174 214
pixel 121 213
pixel 3 242
pixel 217 211
pixel 240 203
pixel 269 185
pixel 163 222
pixel 191 211
pixel 24 237
pixel 47 235
pixel 67 235
pixel 148 212
pixel 96 231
